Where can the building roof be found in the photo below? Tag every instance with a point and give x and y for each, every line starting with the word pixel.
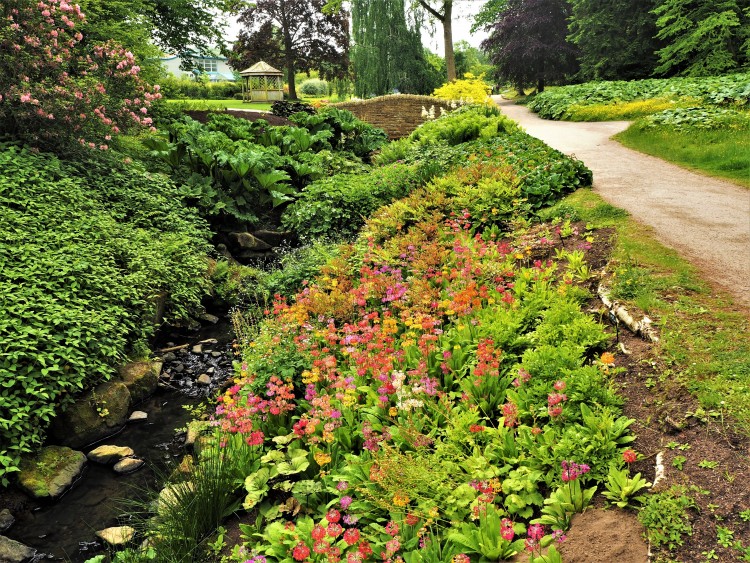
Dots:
pixel 261 69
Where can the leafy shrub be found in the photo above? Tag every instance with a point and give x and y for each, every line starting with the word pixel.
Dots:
pixel 347 132
pixel 699 118
pixel 299 265
pixel 558 103
pixel 87 250
pixel 314 87
pixel 174 88
pixel 337 207
pixel 285 108
pixel 465 124
pixel 471 90
pixel 56 91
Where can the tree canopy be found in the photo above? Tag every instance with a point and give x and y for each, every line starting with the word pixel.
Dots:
pixel 528 43
pixel 387 53
pixel 703 37
pixel 615 38
pixel 297 35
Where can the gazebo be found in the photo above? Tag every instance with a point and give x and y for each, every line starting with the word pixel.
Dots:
pixel 262 83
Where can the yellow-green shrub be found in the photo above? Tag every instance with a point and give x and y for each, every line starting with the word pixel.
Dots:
pixel 624 110
pixel 471 89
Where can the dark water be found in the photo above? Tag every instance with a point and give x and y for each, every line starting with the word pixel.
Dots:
pixel 64 530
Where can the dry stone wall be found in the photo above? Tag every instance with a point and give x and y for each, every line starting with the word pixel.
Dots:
pixel 398 114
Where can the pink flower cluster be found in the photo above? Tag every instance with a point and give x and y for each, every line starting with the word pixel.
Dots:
pixel 47 73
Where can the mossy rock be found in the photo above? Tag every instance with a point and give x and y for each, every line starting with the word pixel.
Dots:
pixel 141 378
pixel 50 471
pixel 94 416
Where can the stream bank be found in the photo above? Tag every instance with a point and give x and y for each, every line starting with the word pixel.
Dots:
pixel 195 365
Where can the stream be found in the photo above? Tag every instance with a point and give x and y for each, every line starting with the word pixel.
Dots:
pixel 64 530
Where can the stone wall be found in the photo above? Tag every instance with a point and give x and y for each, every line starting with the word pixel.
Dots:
pixel 398 114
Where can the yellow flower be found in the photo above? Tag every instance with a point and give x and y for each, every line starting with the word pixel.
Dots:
pixel 433 512
pixel 393 411
pixel 400 499
pixel 322 458
pixel 328 438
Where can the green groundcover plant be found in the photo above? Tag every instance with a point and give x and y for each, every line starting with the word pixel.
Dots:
pixel 87 249
pixel 563 102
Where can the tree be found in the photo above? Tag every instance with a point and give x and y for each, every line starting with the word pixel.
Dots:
pixel 296 35
pixel 144 26
pixel 387 53
pixel 444 14
pixel 615 38
pixel 528 44
pixel 470 59
pixel 704 36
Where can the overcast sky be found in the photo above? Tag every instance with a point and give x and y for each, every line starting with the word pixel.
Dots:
pixel 463 13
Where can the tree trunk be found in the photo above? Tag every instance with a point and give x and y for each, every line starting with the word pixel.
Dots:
pixel 540 85
pixel 444 18
pixel 450 58
pixel 290 79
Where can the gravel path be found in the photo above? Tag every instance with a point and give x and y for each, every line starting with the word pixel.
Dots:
pixel 706 220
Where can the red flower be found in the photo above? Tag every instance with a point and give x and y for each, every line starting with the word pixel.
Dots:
pixel 364 549
pixel 334 530
pixel 629 456
pixel 411 519
pixel 318 532
pixel 351 536
pixel 333 515
pixel 300 552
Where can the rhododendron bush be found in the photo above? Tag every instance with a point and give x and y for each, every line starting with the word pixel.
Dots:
pixel 55 89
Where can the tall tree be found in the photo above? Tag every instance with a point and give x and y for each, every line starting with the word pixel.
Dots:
pixel 173 25
pixel 442 11
pixel 296 35
pixel 704 36
pixel 387 53
pixel 615 38
pixel 528 43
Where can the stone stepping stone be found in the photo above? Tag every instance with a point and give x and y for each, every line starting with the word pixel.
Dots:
pixel 138 416
pixel 117 535
pixel 109 454
pixel 128 465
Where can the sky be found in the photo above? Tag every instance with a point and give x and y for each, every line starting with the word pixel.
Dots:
pixel 463 12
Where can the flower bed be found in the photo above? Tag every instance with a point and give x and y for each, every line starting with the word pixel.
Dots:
pixel 434 394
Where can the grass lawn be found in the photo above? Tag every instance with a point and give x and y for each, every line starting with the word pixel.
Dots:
pixel 723 153
pixel 704 339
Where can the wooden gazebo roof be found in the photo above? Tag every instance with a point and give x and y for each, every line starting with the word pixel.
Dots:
pixel 261 69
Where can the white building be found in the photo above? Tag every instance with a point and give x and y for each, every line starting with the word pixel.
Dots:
pixel 213 66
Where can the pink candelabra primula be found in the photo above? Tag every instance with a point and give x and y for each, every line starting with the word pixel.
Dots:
pixel 56 91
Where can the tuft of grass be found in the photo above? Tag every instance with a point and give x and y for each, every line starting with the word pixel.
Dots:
pixel 705 339
pixel 722 153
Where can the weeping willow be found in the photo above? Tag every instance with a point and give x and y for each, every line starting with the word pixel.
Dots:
pixel 387 54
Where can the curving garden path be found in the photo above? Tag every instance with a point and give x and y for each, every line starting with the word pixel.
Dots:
pixel 705 219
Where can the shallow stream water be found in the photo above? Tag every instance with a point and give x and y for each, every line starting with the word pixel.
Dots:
pixel 64 530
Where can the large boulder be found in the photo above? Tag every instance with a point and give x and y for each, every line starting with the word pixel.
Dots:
pixel 96 415
pixel 50 471
pixel 246 241
pixel 141 378
pixel 12 551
